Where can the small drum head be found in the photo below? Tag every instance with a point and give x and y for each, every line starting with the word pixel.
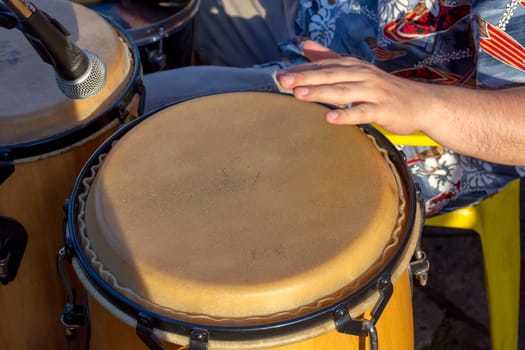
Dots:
pixel 134 15
pixel 33 107
pixel 163 30
pixel 241 209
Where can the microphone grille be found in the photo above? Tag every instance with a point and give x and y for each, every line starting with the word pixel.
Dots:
pixel 87 85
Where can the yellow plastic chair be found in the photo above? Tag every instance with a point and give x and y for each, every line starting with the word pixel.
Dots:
pixel 497 221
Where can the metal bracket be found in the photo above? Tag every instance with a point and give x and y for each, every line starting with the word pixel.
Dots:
pixel 6 169
pixel 420 266
pixel 144 331
pixel 385 289
pixel 158 58
pixel 73 318
pixel 74 315
pixel 141 90
pixel 344 323
pixel 123 113
pixel 13 242
pixel 198 339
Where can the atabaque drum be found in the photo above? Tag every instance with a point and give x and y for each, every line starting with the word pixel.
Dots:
pixel 162 30
pixel 45 139
pixel 245 221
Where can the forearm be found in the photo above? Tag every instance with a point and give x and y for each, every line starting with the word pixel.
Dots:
pixel 486 124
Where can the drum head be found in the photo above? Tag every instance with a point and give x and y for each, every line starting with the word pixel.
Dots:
pixel 135 14
pixel 33 107
pixel 143 18
pixel 240 209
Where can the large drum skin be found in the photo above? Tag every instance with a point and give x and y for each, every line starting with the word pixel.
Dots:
pixel 246 215
pixel 47 138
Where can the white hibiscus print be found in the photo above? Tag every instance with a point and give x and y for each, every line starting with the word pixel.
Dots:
pixel 322 27
pixel 391 10
pixel 444 173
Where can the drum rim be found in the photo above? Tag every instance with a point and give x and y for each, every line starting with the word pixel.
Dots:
pixel 246 332
pixel 39 147
pixel 142 35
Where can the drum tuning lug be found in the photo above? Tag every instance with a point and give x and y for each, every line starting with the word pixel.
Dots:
pixel 123 113
pixel 157 57
pixel 385 289
pixel 61 255
pixel 361 328
pixel 72 318
pixel 344 323
pixel 13 242
pixel 420 267
pixel 71 311
pixel 65 253
pixel 198 340
pixel 144 331
pixel 420 199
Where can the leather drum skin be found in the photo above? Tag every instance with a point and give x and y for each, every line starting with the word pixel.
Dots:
pixel 241 210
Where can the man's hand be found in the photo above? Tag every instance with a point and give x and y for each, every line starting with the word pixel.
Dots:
pixel 364 93
pixel 487 124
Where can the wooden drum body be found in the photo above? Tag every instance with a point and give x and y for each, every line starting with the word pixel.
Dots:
pixel 46 138
pixel 245 221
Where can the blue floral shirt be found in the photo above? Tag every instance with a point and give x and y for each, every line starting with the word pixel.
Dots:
pixel 477 43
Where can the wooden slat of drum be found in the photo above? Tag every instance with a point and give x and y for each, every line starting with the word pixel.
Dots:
pixel 34 195
pixel 395 328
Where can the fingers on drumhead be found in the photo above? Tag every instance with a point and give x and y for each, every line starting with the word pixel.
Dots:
pixel 352 114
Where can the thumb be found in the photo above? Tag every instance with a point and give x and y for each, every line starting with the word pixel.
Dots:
pixel 315 52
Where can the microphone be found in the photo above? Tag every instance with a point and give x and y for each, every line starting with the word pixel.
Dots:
pixel 79 73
